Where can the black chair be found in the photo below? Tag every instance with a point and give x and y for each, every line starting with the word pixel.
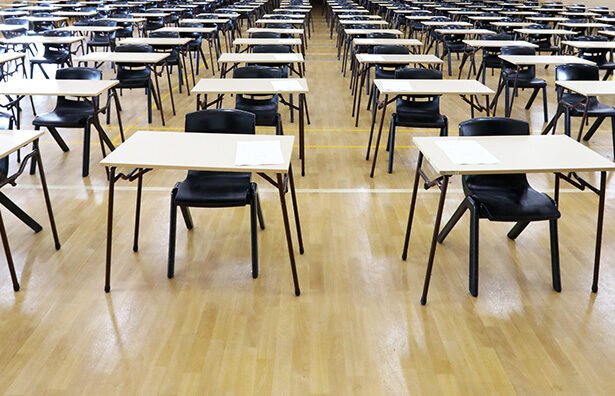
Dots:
pixel 264 107
pixel 138 76
pixel 571 104
pixel 175 58
pixel 54 54
pixel 274 49
pixel 127 28
pixel 204 189
pixel 413 111
pixel 599 56
pixel 520 77
pixel 71 113
pixel 152 23
pixel 195 46
pixel 491 59
pixel 453 44
pixel 38 27
pixel 502 198
pixel 543 41
pixel 105 40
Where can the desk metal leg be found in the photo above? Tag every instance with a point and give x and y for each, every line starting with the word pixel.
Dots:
pixel 110 198
pixel 384 111
pixel 41 170
pixel 289 241
pixel 293 195
pixel 434 239
pixel 302 132
pixel 601 201
pixel 135 245
pixel 415 188
pixel 19 213
pixel 9 256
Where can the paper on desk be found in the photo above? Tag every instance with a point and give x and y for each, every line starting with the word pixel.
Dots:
pixel 396 85
pixel 289 85
pixel 268 152
pixel 466 152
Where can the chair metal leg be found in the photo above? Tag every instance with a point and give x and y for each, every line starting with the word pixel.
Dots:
pixel 56 136
pixel 545 105
pixel 392 142
pixel 474 234
pixel 172 235
pixel 254 236
pixel 86 150
pixel 517 229
pixel 532 98
pixel 593 128
pixel 452 222
pixel 259 211
pixel 187 217
pixel 557 282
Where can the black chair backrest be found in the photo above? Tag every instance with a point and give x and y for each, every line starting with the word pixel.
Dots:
pixel 271 49
pixel 221 121
pixel 271 35
pixel 527 71
pixel 577 72
pixel 494 126
pixel 421 74
pixel 76 73
pixel 391 49
pixel 257 72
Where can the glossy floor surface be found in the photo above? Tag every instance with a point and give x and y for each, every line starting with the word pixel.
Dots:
pixel 358 327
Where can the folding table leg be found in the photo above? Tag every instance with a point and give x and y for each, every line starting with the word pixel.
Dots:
pixel 110 199
pixel 599 226
pixel 289 241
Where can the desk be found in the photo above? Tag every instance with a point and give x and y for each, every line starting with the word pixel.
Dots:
pixel 542 154
pixel 588 89
pixel 196 151
pixel 372 42
pixel 257 86
pixel 248 42
pixel 78 88
pixel 10 142
pixel 150 59
pixel 344 40
pixel 243 57
pixel 396 88
pixel 90 29
pixel 366 61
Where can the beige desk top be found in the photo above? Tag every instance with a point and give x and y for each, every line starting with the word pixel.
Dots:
pixel 584 25
pixel 10 56
pixel 13 13
pixel 518 154
pixel 379 22
pixel 194 151
pixel 44 19
pixel 419 17
pixel 184 29
pixel 548 32
pixel 589 88
pixel 127 20
pixel 398 59
pixel 276 30
pixel 100 29
pixel 74 13
pixel 11 141
pixel 581 14
pixel 155 41
pixel 547 19
pixel 11 28
pixel 590 44
pixel 291 16
pixel 81 88
pixel 123 57
pixel 267 41
pixel 446 23
pixel 251 86
pixel 465 31
pixel 432 87
pixel 220 15
pixel 512 24
pixel 42 40
pixel 245 57
pixel 499 43
pixel 526 60
pixel 280 21
pixel 387 41
pixel 203 20
pixel 487 18
pixel 349 16
pixel 150 14
pixel 368 31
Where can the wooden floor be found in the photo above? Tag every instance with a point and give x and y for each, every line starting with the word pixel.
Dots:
pixel 358 327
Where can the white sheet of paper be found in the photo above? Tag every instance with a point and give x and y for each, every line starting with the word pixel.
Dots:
pixel 396 86
pixel 268 152
pixel 466 152
pixel 289 85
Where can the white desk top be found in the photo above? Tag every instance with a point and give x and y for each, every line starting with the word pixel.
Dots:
pixel 609 33
pixel 185 29
pixel 45 19
pixel 74 13
pixel 276 30
pixel 349 32
pixel 251 86
pixel 487 18
pixel 155 41
pixel 150 14
pixel 80 88
pixel 511 24
pixel 43 40
pixel 526 60
pixel 12 28
pixel 465 31
pixel 398 59
pixel 499 43
pixel 100 29
pixel 11 141
pixel 584 25
pixel 446 23
pixel 123 57
pixel 547 32
pixel 387 41
pixel 192 151
pixel 280 21
pixel 127 20
pixel 589 88
pixel 267 41
pixel 10 56
pixel 432 87
pixel 590 44
pixel 547 19
pixel 245 57
pixel 204 20
pixel 378 22
pixel 517 154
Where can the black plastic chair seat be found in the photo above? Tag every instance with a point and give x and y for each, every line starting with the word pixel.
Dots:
pixel 133 78
pixel 417 112
pixel 385 73
pixel 265 110
pixel 596 109
pixel 52 57
pixel 524 81
pixel 215 189
pixel 503 203
pixel 77 116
